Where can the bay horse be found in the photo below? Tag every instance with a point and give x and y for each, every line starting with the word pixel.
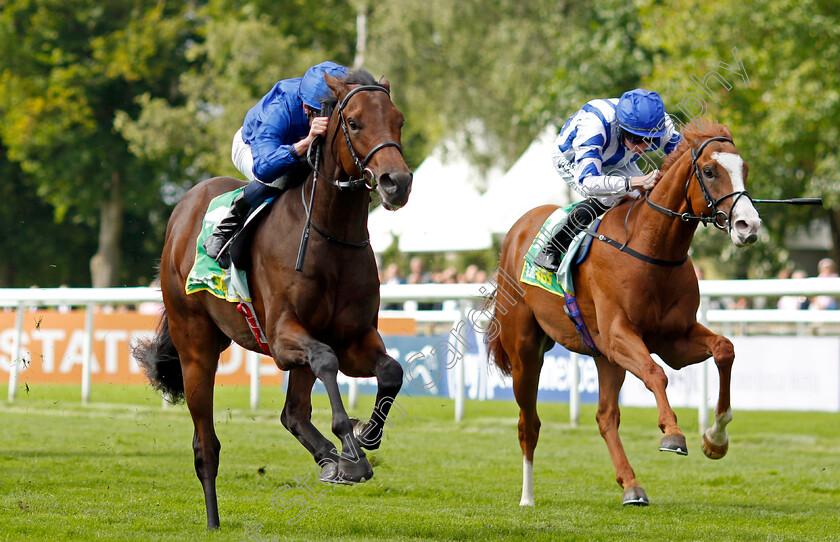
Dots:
pixel 632 307
pixel 317 321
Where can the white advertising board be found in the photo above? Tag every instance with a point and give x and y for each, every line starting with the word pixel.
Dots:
pixel 770 373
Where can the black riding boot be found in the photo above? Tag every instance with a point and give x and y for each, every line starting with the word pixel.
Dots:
pixel 582 215
pixel 216 243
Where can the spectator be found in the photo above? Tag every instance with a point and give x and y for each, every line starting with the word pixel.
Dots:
pixel 391 275
pixel 469 274
pixel 793 302
pixel 417 273
pixel 827 269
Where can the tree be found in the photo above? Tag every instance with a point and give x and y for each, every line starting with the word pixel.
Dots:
pixel 36 249
pixel 784 115
pixel 189 141
pixel 67 68
pixel 513 66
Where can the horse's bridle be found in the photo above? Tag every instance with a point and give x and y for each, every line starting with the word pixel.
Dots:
pixel 711 203
pixel 366 179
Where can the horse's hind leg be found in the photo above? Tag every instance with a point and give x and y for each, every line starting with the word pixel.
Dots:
pixel 297 418
pixel 199 358
pixel 525 354
pixel 610 379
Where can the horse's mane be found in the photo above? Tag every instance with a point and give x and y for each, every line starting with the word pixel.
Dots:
pixel 693 134
pixel 354 77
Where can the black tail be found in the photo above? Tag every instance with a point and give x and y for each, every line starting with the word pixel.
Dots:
pixel 161 363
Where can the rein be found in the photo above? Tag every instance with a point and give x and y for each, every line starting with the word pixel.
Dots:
pixel 590 231
pixel 711 203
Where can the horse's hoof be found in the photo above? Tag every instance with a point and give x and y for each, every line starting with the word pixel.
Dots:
pixel 331 475
pixel 362 430
pixel 713 451
pixel 673 443
pixel 351 471
pixel 635 496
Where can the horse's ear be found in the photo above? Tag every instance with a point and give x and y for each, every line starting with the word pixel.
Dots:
pixel 385 83
pixel 334 83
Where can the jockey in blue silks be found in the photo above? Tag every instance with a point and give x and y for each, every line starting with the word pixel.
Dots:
pixel 270 147
pixel 596 154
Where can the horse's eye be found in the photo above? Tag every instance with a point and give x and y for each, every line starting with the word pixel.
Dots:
pixel 707 171
pixel 352 124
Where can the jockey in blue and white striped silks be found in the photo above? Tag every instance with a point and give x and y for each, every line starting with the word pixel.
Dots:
pixel 596 153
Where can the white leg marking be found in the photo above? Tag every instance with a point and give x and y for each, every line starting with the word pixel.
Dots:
pixel 527 483
pixel 717 432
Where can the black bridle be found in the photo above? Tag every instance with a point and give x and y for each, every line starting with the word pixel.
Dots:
pixel 711 202
pixel 366 177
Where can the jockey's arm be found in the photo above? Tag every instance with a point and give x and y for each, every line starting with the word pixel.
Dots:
pixel 272 152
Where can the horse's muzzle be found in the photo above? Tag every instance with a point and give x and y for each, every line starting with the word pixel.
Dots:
pixel 745 231
pixel 394 188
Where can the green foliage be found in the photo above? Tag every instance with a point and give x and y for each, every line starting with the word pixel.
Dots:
pixel 784 121
pixel 112 110
pixel 36 249
pixel 514 66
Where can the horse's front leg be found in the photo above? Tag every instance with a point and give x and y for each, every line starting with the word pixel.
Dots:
pixel 366 357
pixel 696 346
pixel 292 347
pixel 353 465
pixel 626 349
pixel 297 418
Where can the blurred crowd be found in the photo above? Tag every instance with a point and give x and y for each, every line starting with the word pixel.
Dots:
pixel 418 274
pixel 826 269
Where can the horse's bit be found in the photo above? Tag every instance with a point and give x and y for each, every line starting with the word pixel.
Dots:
pixel 711 203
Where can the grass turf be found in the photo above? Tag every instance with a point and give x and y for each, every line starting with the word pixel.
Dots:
pixel 122 469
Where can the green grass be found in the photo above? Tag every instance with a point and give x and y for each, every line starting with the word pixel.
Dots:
pixel 121 469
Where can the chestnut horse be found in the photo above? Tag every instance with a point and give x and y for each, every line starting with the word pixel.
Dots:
pixel 317 321
pixel 632 307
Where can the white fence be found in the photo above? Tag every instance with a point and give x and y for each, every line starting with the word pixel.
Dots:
pixel 457 300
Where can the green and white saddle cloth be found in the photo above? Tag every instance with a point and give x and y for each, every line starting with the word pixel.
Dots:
pixel 206 274
pixel 557 283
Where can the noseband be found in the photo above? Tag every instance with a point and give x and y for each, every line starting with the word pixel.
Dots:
pixel 366 177
pixel 711 203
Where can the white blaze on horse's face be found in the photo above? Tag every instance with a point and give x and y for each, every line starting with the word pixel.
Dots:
pixel 743 217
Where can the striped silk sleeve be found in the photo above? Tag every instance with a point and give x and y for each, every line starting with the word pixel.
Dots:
pixel 588 146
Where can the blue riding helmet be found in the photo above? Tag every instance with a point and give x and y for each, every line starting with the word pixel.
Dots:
pixel 641 112
pixel 313 88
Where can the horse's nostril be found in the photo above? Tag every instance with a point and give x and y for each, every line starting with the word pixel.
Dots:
pixel 387 183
